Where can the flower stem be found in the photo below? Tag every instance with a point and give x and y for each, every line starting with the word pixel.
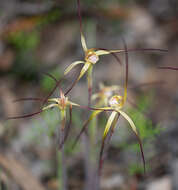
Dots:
pixel 62 170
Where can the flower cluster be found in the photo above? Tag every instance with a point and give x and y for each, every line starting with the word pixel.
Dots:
pixel 107 99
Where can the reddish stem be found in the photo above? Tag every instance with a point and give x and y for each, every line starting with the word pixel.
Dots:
pixel 169 68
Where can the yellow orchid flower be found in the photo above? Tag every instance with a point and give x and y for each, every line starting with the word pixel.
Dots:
pixel 116 104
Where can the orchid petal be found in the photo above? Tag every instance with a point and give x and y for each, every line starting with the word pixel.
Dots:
pixel 83 41
pixel 116 51
pixel 56 100
pixel 130 121
pixel 84 69
pixel 49 106
pixel 70 67
pixel 109 123
pixel 106 52
pixel 94 114
pixel 105 108
pixel 73 104
pixel 102 52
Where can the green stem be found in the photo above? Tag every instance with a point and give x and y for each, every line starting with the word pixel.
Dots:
pixel 62 170
pixel 90 84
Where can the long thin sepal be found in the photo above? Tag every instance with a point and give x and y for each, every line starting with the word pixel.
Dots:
pixel 104 51
pixel 25 116
pixel 82 72
pixel 71 66
pixel 169 68
pixel 132 125
pixel 84 69
pixel 139 49
pixel 148 49
pixel 28 99
pixel 37 99
pixel 49 106
pixel 79 15
pixel 109 123
pixel 142 153
pixel 73 84
pixel 57 84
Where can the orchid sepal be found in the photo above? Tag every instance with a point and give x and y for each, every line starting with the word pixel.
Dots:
pixel 70 67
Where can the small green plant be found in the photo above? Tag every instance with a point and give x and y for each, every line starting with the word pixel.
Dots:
pixel 135 168
pixel 24 40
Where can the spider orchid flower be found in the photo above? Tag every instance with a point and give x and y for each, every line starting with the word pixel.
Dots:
pixel 116 104
pixel 62 103
pixel 92 56
pixel 105 92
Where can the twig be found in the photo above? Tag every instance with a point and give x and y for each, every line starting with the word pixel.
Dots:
pixel 19 173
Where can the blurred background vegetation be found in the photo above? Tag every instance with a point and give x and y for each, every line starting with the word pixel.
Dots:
pixel 43 36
